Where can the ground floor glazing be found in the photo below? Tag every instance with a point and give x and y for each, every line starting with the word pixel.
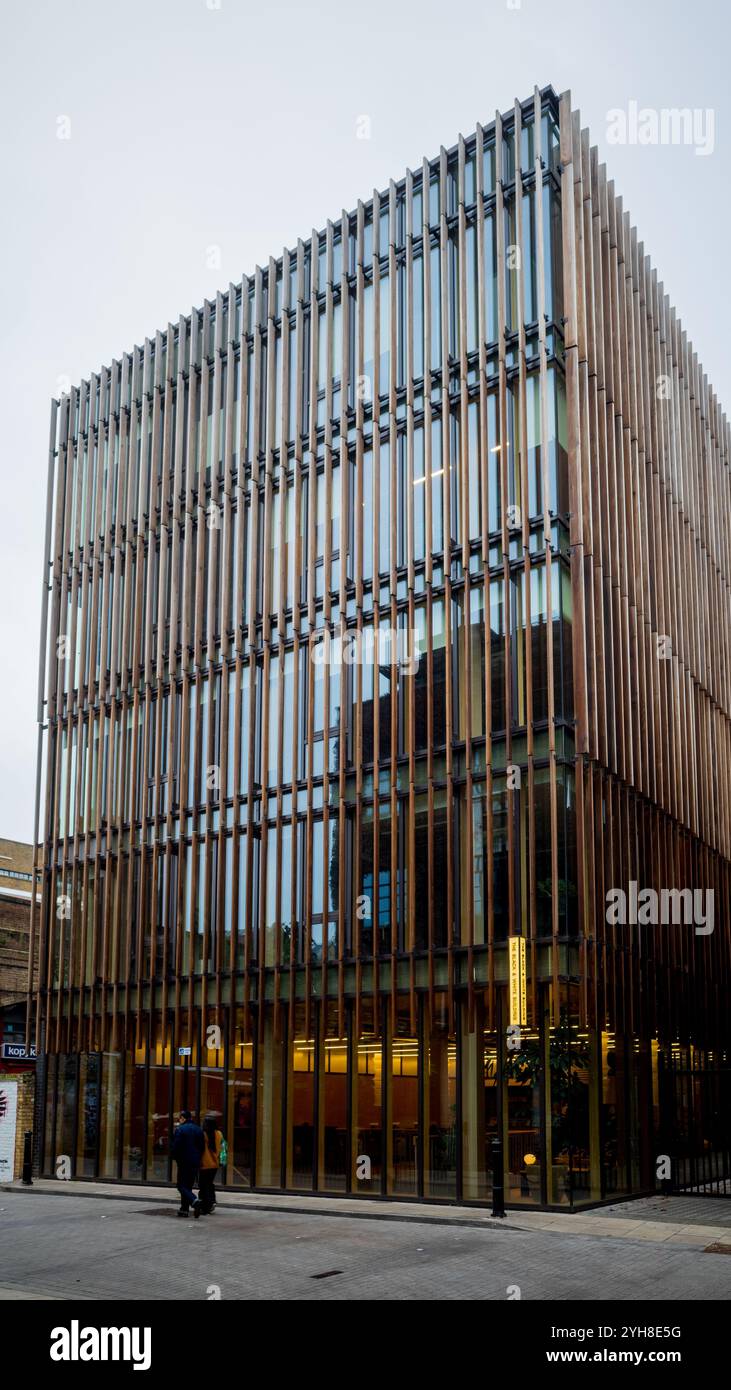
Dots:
pixel 383 1100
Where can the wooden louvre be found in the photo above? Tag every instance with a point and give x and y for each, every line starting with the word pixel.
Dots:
pixel 299 456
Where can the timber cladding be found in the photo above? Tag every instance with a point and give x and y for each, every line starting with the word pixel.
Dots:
pixel 463 429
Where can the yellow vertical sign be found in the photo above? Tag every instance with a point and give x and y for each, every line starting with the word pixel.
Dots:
pixel 518 992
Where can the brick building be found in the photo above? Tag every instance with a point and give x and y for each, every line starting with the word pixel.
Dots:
pixel 17 1053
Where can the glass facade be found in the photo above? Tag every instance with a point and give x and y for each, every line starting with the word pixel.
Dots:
pixel 425 1095
pixel 332 720
pixel 406 1110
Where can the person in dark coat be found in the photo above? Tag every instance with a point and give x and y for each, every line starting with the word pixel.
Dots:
pixel 188 1145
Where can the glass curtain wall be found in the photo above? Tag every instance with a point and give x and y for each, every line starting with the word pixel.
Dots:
pixel 440 1102
pixel 332 1158
pixel 301 1101
pixel 89 1110
pixel 403 1101
pixel 111 1096
pixel 573 1131
pixel 239 1127
pixel 356 1101
pixel 133 1110
pixel 159 1101
pixel 269 1101
pixel 211 1096
pixel 367 1101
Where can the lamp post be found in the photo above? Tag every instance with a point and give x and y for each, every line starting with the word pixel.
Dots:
pixel 498 1190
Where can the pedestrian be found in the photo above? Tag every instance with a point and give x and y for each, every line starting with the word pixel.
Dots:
pixel 212 1145
pixel 187 1149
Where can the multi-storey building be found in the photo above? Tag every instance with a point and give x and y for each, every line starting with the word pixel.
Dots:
pixel 386 634
pixel 16 882
pixel 17 1053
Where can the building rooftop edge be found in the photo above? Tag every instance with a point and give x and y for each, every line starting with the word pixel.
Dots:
pixel 546 94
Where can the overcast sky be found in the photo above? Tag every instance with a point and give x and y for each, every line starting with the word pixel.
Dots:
pixel 197 123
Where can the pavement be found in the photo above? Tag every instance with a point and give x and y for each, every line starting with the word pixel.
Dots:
pixel 697 1211
pixel 691 1221
pixel 75 1240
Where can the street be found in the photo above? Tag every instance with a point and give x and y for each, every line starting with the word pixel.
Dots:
pixel 65 1246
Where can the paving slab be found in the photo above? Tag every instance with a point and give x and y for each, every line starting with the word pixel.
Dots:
pixel 66 1246
pixel 640 1220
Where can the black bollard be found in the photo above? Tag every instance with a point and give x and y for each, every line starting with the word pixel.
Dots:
pixel 498 1189
pixel 28 1158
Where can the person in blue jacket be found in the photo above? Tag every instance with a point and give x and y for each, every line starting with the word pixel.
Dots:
pixel 187 1149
